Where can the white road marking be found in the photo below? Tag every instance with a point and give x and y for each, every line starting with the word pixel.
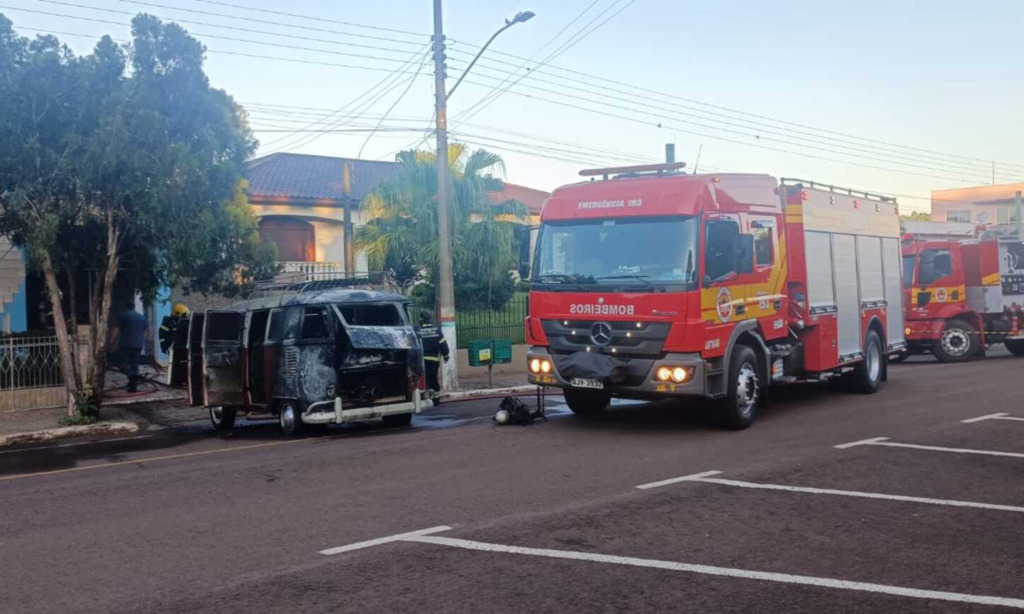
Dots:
pixel 69 445
pixel 767 576
pixel 384 540
pixel 884 441
pixel 686 478
pixel 862 442
pixel 1000 416
pixel 705 477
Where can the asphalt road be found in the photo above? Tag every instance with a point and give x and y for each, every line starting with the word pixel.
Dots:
pixel 546 518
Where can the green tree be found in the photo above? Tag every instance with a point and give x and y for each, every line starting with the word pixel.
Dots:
pixel 916 216
pixel 400 234
pixel 104 169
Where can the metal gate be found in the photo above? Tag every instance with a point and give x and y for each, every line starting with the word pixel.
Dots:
pixel 30 373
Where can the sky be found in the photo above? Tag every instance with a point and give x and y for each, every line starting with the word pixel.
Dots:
pixel 898 97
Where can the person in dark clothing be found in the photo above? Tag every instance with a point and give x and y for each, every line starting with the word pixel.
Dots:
pixel 179 313
pixel 131 337
pixel 435 349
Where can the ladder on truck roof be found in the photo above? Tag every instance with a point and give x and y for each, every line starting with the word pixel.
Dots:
pixel 789 181
pixel 634 171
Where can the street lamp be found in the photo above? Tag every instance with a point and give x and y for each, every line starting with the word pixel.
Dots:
pixel 446 282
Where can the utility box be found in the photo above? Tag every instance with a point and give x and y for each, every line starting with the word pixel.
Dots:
pixel 502 351
pixel 481 353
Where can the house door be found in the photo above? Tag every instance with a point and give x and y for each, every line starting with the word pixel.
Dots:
pixel 295 238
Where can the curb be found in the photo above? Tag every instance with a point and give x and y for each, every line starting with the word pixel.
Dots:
pixel 100 428
pixel 464 395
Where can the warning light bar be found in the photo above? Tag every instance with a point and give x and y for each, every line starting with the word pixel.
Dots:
pixel 642 168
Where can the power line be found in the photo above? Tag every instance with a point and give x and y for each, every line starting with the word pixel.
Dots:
pixel 660 124
pixel 581 34
pixel 393 105
pixel 298 16
pixel 224 27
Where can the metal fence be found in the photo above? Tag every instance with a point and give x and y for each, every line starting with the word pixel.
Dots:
pixel 30 373
pixel 484 324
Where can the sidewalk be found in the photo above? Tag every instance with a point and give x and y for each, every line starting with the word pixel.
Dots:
pixel 157 407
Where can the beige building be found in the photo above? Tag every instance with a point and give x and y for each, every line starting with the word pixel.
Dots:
pixel 990 205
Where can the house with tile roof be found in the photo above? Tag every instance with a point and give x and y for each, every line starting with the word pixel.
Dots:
pixel 309 207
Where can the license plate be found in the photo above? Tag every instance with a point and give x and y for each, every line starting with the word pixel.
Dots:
pixel 582 382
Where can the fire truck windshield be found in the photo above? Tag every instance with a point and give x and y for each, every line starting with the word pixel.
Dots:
pixel 642 251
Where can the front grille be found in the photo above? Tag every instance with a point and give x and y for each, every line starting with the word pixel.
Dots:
pixel 641 339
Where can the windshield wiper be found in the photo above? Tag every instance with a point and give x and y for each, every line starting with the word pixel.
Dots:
pixel 640 278
pixel 562 278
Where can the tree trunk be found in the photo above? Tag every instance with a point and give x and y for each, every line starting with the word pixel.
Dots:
pixel 68 349
pixel 99 334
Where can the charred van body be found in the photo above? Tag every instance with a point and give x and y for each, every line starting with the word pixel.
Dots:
pixel 311 356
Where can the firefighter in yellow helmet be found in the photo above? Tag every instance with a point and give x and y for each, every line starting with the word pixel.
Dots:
pixel 179 313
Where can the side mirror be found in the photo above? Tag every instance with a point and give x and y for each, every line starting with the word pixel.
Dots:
pixel 923 298
pixel 744 254
pixel 705 281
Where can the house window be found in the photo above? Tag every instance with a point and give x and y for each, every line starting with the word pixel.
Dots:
pixel 958 215
pixel 295 238
pixel 1006 215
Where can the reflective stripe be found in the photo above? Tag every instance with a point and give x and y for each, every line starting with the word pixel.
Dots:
pixel 432 358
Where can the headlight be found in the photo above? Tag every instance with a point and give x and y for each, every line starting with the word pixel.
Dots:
pixel 680 375
pixel 664 374
pixel 545 366
pixel 535 365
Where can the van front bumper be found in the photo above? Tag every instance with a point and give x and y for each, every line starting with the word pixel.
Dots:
pixel 332 412
pixel 642 379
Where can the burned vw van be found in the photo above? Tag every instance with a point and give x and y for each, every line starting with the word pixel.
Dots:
pixel 314 354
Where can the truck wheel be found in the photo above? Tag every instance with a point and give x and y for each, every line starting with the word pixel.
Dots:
pixel 290 416
pixel 959 342
pixel 1015 346
pixel 867 375
pixel 739 406
pixel 397 420
pixel 223 420
pixel 586 403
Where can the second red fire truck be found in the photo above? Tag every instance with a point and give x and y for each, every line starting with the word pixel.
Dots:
pixel 961 296
pixel 650 283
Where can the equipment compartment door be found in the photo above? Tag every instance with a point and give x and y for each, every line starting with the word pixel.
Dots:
pixel 844 253
pixel 891 261
pixel 222 358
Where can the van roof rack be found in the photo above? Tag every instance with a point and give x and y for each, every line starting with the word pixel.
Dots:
pixel 789 181
pixel 656 169
pixel 299 283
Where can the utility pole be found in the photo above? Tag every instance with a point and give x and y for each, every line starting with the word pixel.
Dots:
pixel 446 282
pixel 1019 211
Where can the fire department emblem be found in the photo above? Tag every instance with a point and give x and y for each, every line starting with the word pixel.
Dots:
pixel 723 304
pixel 940 295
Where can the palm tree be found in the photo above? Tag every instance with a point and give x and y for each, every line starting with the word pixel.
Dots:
pixel 400 234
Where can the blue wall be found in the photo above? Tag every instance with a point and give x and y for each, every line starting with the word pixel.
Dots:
pixel 17 309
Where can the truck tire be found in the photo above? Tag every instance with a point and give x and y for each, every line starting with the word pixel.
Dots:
pixel 223 420
pixel 290 417
pixel 739 407
pixel 586 403
pixel 1015 346
pixel 867 375
pixel 958 342
pixel 397 420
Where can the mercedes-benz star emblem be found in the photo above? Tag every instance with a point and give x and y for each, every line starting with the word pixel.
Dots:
pixel 601 333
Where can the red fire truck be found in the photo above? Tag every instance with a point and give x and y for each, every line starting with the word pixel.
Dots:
pixel 650 283
pixel 961 296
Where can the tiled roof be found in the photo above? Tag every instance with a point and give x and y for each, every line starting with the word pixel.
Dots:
pixel 533 199
pixel 300 176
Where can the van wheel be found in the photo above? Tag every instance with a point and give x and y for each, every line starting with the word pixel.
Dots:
pixel 739 407
pixel 223 420
pixel 586 403
pixel 397 420
pixel 959 342
pixel 867 375
pixel 1015 346
pixel 290 417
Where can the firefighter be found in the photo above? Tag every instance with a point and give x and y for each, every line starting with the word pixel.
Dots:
pixel 435 349
pixel 168 326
